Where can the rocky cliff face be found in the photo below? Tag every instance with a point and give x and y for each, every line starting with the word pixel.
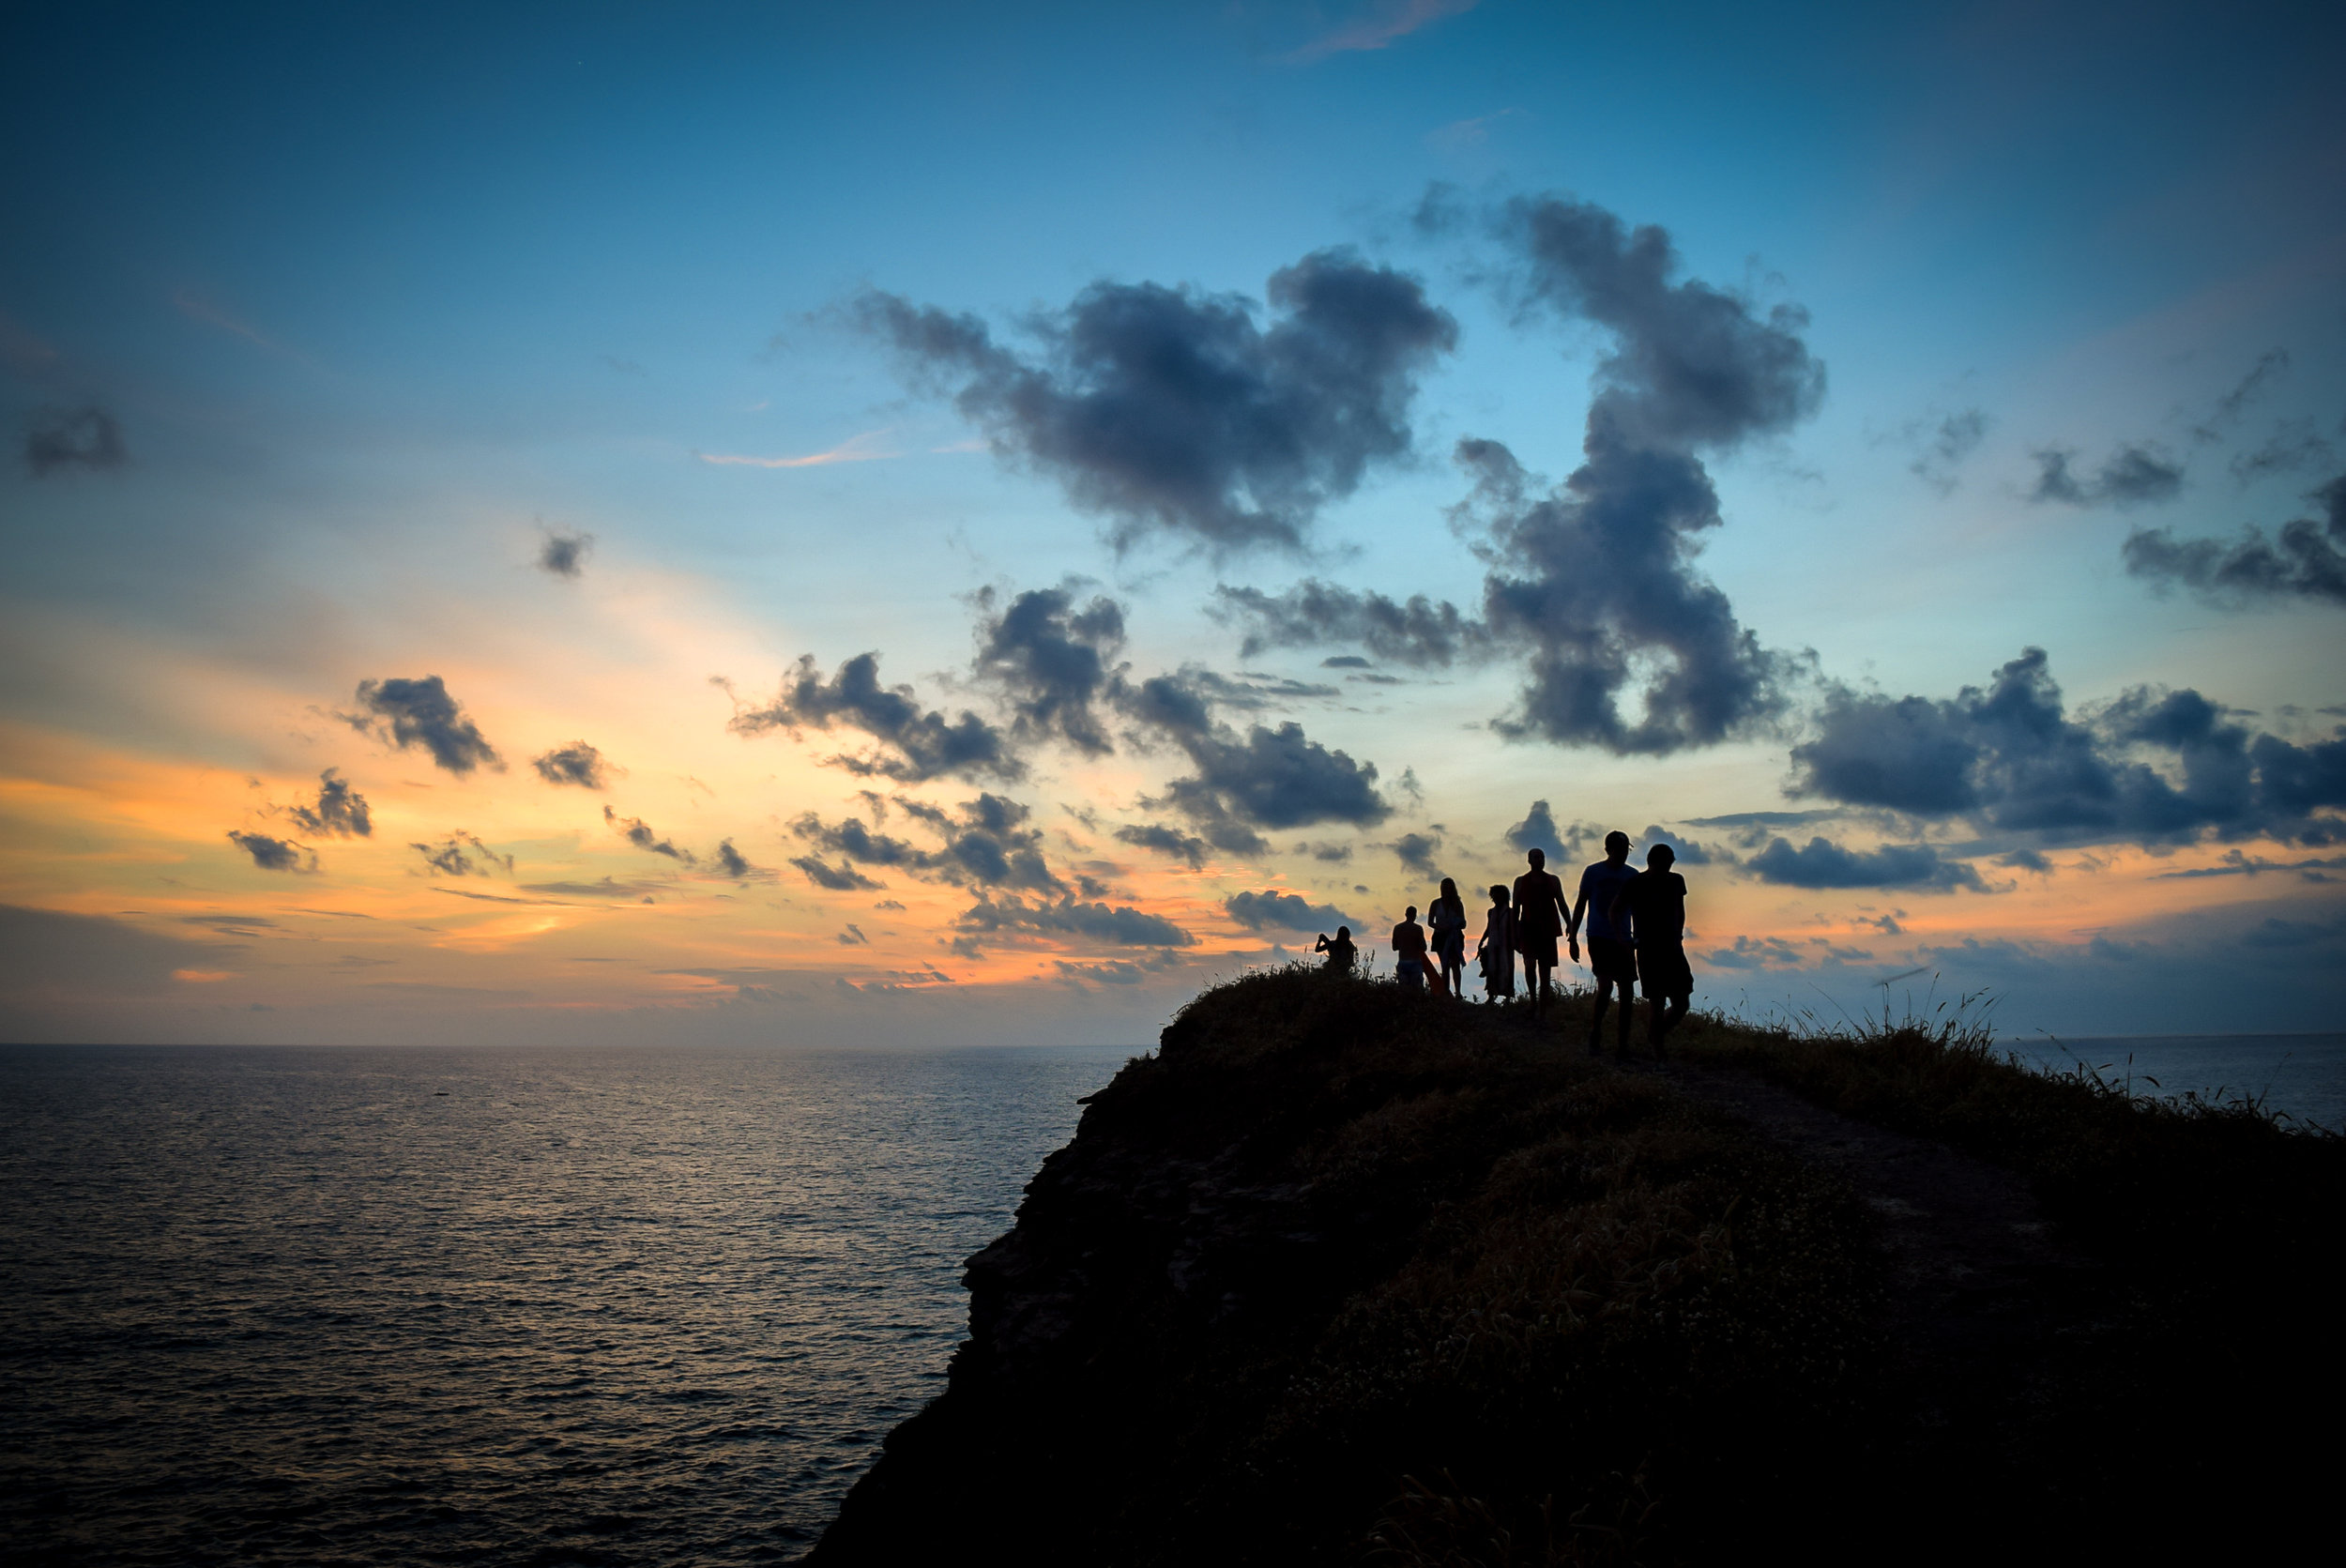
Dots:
pixel 1334 1258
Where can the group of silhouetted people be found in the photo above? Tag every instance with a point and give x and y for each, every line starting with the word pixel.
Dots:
pixel 1634 922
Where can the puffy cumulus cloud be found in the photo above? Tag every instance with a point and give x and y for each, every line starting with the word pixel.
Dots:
pixel 2305 561
pixel 1053 660
pixel 339 812
pixel 274 854
pixel 407 714
pixel 840 879
pixel 916 746
pixel 1311 614
pixel 1165 841
pixel 983 843
pixel 576 763
pixel 1594 581
pixel 1271 778
pixel 461 854
pixel 1689 853
pixel 1416 851
pixel 1537 830
pixel 639 833
pixel 1116 925
pixel 2008 756
pixel 1821 864
pixel 564 555
pixel 2136 474
pixel 61 441
pixel 1273 910
pixel 1174 411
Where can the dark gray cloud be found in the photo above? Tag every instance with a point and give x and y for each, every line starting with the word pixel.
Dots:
pixel 2291 449
pixel 639 833
pixel 2308 559
pixel 1053 660
pixel 1312 613
pixel 461 854
pixel 2137 474
pixel 1165 841
pixel 274 854
pixel 576 763
pixel 340 811
pixel 985 843
pixel 1416 852
pixel 421 713
pixel 565 555
pixel 732 862
pixel 1118 925
pixel 60 441
pixel 1273 910
pixel 1273 778
pixel 608 887
pixel 1172 410
pixel 1822 863
pixel 2009 757
pixel 1537 830
pixel 2233 405
pixel 840 879
pixel 918 746
pixel 1595 582
pixel 1689 853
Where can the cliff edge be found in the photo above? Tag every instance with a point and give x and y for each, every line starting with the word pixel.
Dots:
pixel 1347 1274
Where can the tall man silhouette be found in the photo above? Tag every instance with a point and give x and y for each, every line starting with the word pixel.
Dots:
pixel 1539 921
pixel 1611 958
pixel 1654 905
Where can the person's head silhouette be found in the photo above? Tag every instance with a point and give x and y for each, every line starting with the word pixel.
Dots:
pixel 1344 934
pixel 1449 888
pixel 1410 913
pixel 1499 892
pixel 1617 846
pixel 1661 857
pixel 1538 859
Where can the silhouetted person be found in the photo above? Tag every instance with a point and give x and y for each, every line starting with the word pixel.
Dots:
pixel 1497 949
pixel 1612 959
pixel 1340 950
pixel 1447 916
pixel 1408 951
pixel 1539 921
pixel 1655 906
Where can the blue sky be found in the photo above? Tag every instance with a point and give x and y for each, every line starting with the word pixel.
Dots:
pixel 374 303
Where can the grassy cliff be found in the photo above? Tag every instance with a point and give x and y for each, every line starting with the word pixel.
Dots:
pixel 1346 1274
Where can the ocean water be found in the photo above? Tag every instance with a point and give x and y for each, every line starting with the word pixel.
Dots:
pixel 418 1307
pixel 2302 1076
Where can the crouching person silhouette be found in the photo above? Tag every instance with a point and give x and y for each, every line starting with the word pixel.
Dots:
pixel 1340 950
pixel 1653 904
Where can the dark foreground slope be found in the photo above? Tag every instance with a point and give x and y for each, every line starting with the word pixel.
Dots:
pixel 1343 1274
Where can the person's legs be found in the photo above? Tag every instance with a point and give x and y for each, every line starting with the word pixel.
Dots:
pixel 1597 1013
pixel 1676 1013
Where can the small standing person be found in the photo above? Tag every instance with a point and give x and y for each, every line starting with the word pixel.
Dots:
pixel 1497 949
pixel 1340 950
pixel 1539 921
pixel 1654 905
pixel 1611 958
pixel 1408 951
pixel 1447 916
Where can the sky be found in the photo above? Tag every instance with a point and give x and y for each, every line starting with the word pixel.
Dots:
pixel 928 526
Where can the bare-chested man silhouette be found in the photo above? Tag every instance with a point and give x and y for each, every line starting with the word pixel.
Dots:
pixel 1539 921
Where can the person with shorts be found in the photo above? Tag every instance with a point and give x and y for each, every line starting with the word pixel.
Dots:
pixel 1409 951
pixel 1539 921
pixel 1447 916
pixel 1611 958
pixel 1654 907
pixel 1497 949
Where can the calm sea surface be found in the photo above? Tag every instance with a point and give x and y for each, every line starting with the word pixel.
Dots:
pixel 419 1306
pixel 2300 1075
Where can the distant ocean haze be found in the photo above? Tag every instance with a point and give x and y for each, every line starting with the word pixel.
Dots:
pixel 280 1305
pixel 2302 1076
